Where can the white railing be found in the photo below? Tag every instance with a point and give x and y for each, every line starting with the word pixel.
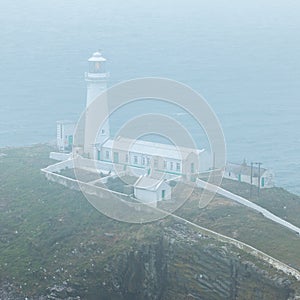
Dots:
pixel 94 76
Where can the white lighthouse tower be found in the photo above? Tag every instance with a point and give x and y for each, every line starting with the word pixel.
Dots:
pixel 96 79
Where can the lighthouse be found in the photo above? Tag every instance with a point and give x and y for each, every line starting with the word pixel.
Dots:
pixel 96 80
pixel 96 77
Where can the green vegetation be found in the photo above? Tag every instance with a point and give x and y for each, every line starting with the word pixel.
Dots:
pixel 83 175
pixel 277 200
pixel 51 234
pixel 121 184
pixel 234 220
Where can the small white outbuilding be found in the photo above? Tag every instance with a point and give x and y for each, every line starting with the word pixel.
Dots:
pixel 249 174
pixel 64 136
pixel 150 190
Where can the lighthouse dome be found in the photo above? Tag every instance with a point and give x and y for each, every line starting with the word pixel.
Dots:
pixel 97 56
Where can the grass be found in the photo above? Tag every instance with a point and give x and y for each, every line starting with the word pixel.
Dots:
pixel 234 220
pixel 51 234
pixel 277 200
pixel 46 228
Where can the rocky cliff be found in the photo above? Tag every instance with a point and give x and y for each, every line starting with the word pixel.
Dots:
pixel 179 263
pixel 183 264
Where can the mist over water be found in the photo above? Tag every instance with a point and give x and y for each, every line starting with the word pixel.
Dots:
pixel 243 57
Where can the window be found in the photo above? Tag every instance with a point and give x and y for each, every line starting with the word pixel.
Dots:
pixel 135 160
pixel 165 164
pixel 148 161
pixel 107 154
pixel 126 158
pixel 61 131
pixel 178 167
pixel 171 165
pixel 102 131
pixel 143 161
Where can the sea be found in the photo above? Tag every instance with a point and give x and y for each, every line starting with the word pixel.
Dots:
pixel 243 57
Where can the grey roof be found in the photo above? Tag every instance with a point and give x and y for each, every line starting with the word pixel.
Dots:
pixel 150 148
pixel 244 169
pixel 148 183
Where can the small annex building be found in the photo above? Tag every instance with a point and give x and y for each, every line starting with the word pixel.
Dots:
pixel 249 174
pixel 151 190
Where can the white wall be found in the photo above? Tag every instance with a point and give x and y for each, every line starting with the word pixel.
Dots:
pixel 139 156
pixel 60 156
pixel 267 175
pixel 67 164
pixel 148 196
pixel 145 196
pixel 94 89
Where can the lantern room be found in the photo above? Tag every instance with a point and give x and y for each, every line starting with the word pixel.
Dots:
pixel 97 63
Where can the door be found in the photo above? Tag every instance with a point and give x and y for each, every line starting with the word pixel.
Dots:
pixel 163 194
pixel 70 140
pixel 116 157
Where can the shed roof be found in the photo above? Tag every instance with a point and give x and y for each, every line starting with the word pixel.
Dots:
pixel 148 183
